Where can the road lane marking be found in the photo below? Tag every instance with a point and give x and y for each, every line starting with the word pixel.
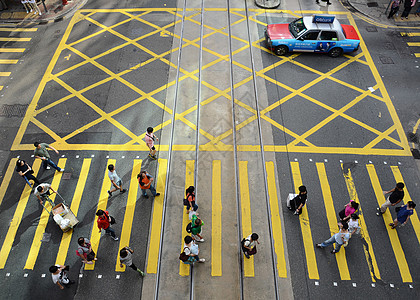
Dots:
pixel 392 233
pixel 370 255
pixel 305 227
pixel 184 269
pixel 246 214
pixel 8 61
pixel 414 218
pixel 18 29
pixel 343 267
pixel 7 178
pixel 154 243
pixel 75 202
pixel 276 220
pixel 43 221
pixel 95 235
pixel 17 217
pixel 216 220
pixel 414 44
pixel 5 74
pixel 13 39
pixel 410 33
pixel 129 212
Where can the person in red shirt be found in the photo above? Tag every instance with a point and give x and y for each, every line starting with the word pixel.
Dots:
pixel 145 181
pixel 104 222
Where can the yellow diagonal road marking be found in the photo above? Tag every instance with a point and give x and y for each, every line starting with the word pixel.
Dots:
pixel 17 217
pixel 305 227
pixel 392 233
pixel 7 178
pixel 129 212
pixel 75 202
pixel 43 221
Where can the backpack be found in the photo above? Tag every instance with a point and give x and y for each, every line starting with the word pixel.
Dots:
pixel 190 227
pixel 184 257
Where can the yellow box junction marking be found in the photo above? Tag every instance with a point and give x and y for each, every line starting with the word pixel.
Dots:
pixel 245 214
pixel 154 242
pixel 343 268
pixel 17 217
pixel 305 227
pixel 184 269
pixel 43 221
pixel 215 144
pixel 414 218
pixel 216 219
pixel 74 207
pixel 7 177
pixel 392 233
pixel 129 212
pixel 102 204
pixel 276 220
pixel 369 253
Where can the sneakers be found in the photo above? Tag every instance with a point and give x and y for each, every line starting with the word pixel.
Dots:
pixel 109 193
pixel 123 191
pixel 157 194
pixel 246 255
pixel 141 272
pixel 289 208
pixel 319 245
pixel 48 168
pixel 115 238
pixel 153 157
pixel 379 211
pixel 201 260
pixel 202 240
pixel 334 252
pixel 61 170
pixel 146 196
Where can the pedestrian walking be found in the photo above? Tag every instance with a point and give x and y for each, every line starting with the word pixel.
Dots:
pixel 349 209
pixel 418 10
pixel 60 277
pixel 340 238
pixel 297 203
pixel 408 5
pixel 34 6
pixel 403 214
pixel 104 222
pixel 196 224
pixel 42 192
pixel 115 180
pixel 328 1
pixel 26 5
pixel 396 196
pixel 145 181
pixel 126 258
pixel 189 200
pixel 41 152
pixel 395 6
pixel 249 245
pixel 26 172
pixel 85 251
pixel 150 139
pixel 353 223
pixel 191 250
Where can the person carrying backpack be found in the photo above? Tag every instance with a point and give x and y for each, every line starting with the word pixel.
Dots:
pixel 299 201
pixel 189 200
pixel 191 251
pixel 196 224
pixel 249 245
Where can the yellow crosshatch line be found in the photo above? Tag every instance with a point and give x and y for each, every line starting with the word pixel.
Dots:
pixel 299 143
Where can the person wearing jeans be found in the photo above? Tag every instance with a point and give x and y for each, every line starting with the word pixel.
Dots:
pixel 104 222
pixel 41 152
pixel 145 181
pixel 339 238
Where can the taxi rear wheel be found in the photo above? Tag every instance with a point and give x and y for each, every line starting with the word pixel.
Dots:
pixel 281 50
pixel 335 52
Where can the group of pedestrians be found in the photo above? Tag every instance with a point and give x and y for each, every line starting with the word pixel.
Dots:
pixel 408 5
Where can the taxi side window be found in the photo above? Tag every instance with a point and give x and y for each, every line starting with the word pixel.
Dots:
pixel 328 35
pixel 311 35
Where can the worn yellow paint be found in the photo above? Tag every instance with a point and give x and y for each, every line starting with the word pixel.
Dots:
pixel 305 227
pixel 19 29
pixel 414 44
pixel 369 253
pixel 276 220
pixel 75 202
pixel 43 221
pixel 216 219
pixel 5 74
pixel 410 34
pixel 7 178
pixel 13 39
pixel 8 61
pixel 392 233
pixel 12 50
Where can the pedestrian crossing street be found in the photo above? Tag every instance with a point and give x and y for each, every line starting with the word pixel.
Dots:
pixel 321 174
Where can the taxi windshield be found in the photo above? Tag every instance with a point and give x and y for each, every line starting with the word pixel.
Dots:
pixel 296 27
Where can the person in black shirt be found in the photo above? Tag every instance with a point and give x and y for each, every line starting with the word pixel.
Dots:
pixel 299 201
pixel 397 194
pixel 25 171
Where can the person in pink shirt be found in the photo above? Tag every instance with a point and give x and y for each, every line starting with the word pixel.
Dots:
pixel 150 142
pixel 348 210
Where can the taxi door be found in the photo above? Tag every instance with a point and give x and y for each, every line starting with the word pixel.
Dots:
pixel 307 42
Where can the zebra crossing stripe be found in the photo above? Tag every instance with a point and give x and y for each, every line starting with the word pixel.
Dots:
pixel 7 178
pixel 216 220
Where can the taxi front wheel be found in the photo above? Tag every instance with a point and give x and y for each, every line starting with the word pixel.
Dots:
pixel 335 52
pixel 281 50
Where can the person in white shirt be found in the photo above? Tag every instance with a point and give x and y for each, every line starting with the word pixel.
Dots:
pixel 354 224
pixel 191 249
pixel 42 192
pixel 249 245
pixel 115 180
pixel 59 276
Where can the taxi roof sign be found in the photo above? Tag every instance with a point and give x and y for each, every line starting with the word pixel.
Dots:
pixel 323 19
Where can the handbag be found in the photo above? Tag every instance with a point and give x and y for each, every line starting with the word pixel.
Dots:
pixel 397 209
pixel 90 256
pixel 112 220
pixel 184 257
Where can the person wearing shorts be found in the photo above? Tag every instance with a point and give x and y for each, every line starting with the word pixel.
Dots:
pixel 150 139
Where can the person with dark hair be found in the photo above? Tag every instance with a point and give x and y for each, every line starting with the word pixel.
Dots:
pixel 189 200
pixel 59 276
pixel 41 152
pixel 145 181
pixel 126 258
pixel 299 201
pixel 150 142
pixel 191 249
pixel 340 238
pixel 349 209
pixel 395 6
pixel 353 224
pixel 85 250
pixel 115 180
pixel 104 222
pixel 397 194
pixel 42 192
pixel 26 171
pixel 403 214
pixel 196 223
pixel 249 245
